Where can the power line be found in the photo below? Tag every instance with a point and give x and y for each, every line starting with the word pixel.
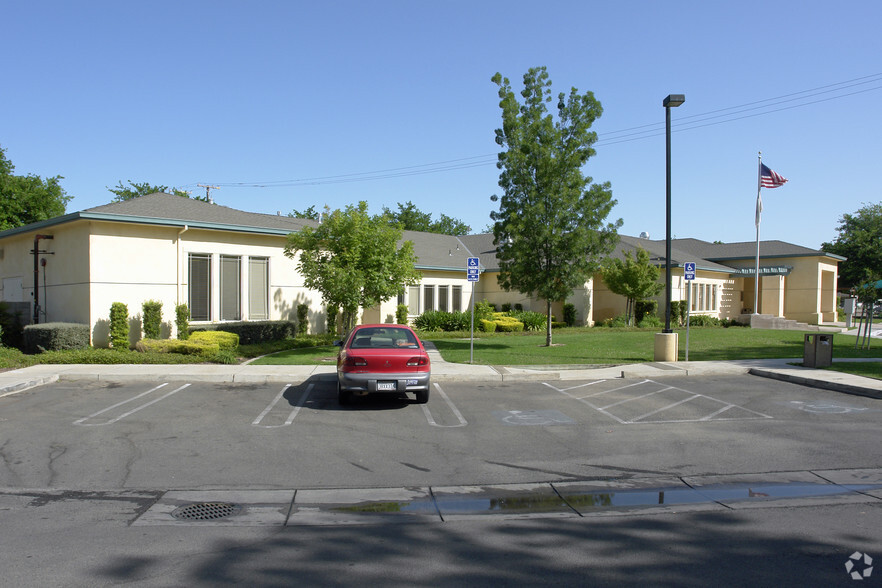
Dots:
pixel 686 123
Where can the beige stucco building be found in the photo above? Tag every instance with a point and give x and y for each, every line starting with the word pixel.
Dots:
pixel 228 265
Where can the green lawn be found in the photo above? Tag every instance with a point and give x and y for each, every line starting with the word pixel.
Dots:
pixel 576 346
pixel 615 346
pixel 600 346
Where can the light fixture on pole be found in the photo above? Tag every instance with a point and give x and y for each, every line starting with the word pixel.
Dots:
pixel 672 100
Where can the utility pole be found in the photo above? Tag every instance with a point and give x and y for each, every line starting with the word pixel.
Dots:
pixel 207 191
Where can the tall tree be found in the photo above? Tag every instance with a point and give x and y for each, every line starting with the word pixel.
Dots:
pixel 310 213
pixel 858 240
pixel 354 260
pixel 28 199
pixel 550 230
pixel 633 277
pixel 410 218
pixel 133 190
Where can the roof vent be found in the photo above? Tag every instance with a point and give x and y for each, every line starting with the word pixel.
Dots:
pixel 644 235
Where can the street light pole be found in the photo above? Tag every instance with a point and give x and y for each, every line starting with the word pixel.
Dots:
pixel 672 100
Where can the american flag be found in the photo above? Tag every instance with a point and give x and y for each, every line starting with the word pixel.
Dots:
pixel 770 179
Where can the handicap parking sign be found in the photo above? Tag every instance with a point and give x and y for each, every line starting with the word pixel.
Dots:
pixel 689 270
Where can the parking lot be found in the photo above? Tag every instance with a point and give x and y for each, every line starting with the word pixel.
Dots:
pixel 531 481
pixel 192 434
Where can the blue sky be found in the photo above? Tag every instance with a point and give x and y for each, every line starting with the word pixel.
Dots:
pixel 287 105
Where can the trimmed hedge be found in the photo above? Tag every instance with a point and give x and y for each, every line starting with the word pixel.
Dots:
pixel 253 331
pixel 182 319
pixel 507 324
pixel 224 340
pixel 569 313
pixel 54 337
pixel 438 320
pixel 188 347
pixel 487 326
pixel 119 325
pixel 703 320
pixel 401 314
pixel 151 318
pixel 645 308
pixel 302 319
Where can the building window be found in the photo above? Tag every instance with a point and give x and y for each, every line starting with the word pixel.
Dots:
pixel 457 299
pixel 428 298
pixel 413 300
pixel 258 288
pixel 230 287
pixel 199 286
pixel 442 298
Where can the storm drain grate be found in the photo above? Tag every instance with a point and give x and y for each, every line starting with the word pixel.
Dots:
pixel 206 511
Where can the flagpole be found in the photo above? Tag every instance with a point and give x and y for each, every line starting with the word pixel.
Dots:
pixel 759 209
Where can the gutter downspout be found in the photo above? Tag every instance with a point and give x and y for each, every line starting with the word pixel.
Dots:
pixel 178 285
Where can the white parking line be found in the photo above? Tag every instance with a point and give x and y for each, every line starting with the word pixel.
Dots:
pixel 290 419
pixel 637 397
pixel 583 401
pixel 639 419
pixel 658 410
pixel 453 409
pixel 83 420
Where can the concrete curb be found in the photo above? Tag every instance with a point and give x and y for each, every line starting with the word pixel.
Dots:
pixel 8 389
pixel 844 387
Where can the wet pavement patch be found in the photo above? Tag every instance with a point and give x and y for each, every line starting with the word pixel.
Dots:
pixel 363 506
pixel 757 490
pixel 570 499
pixel 503 501
pixel 615 497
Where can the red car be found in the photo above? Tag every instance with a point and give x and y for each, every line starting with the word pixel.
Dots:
pixel 385 359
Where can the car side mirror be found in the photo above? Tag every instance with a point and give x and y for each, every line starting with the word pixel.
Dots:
pixel 338 343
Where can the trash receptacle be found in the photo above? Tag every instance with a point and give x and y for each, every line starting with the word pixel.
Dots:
pixel 818 350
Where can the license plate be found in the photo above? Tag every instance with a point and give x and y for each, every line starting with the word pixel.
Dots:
pixel 386 386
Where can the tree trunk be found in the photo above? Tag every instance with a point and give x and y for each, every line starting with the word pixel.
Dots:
pixel 548 323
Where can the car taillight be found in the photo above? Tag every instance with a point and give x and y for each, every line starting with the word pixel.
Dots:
pixel 355 361
pixel 415 361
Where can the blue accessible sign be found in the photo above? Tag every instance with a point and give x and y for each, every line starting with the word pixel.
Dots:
pixel 473 269
pixel 689 270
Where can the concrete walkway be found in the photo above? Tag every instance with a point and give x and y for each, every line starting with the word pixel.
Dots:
pixel 21 379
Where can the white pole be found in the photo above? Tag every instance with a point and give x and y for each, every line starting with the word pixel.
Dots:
pixel 759 210
pixel 688 312
pixel 472 337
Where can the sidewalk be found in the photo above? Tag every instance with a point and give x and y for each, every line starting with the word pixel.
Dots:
pixel 18 380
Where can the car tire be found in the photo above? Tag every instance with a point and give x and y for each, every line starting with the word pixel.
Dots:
pixel 344 397
pixel 422 396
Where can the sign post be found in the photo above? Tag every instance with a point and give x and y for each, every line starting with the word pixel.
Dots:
pixel 473 270
pixel 688 275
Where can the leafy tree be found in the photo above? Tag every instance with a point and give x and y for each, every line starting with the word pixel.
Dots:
pixel 859 239
pixel 28 199
pixel 634 277
pixel 354 260
pixel 549 229
pixel 310 213
pixel 133 190
pixel 410 218
pixel 450 226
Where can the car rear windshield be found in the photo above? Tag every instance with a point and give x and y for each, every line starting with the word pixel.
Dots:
pixel 384 338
